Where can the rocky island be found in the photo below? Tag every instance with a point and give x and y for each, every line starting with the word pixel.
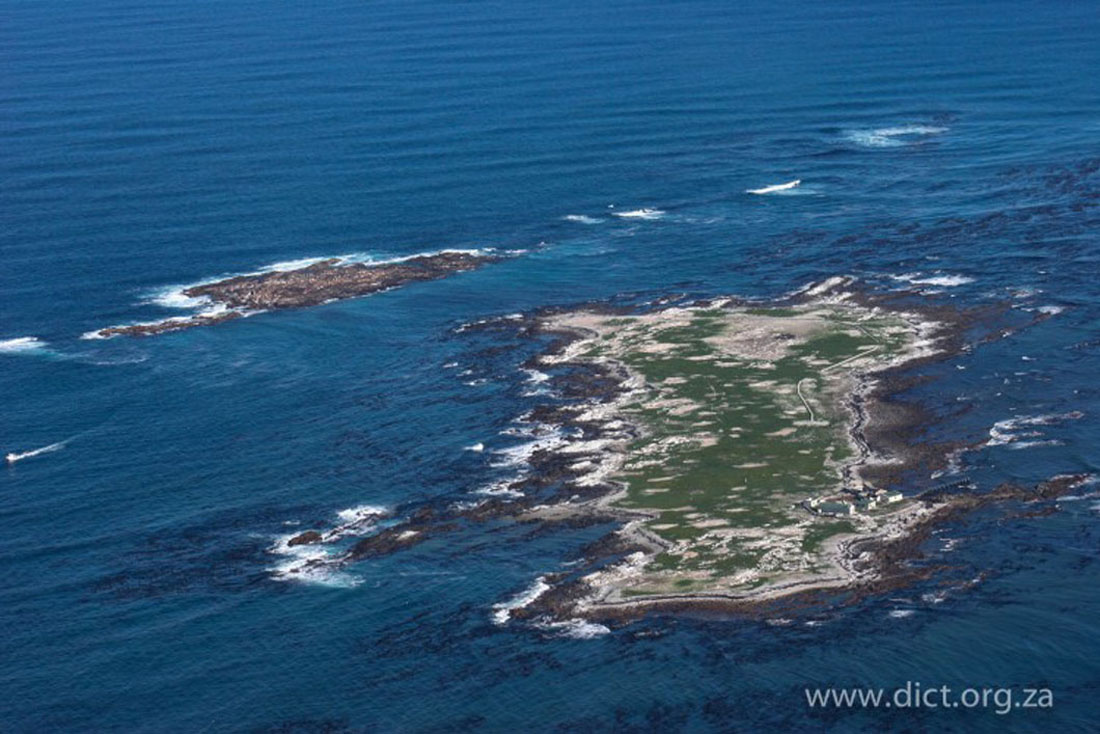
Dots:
pixel 745 453
pixel 327 280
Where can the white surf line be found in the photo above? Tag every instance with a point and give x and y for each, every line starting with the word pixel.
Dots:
pixel 775 187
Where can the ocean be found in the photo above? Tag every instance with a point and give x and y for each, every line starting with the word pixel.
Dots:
pixel 945 146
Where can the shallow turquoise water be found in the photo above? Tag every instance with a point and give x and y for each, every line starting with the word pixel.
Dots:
pixel 148 147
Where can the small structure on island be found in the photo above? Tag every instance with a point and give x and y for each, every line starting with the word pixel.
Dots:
pixel 889 497
pixel 867 502
pixel 835 507
pixel 864 499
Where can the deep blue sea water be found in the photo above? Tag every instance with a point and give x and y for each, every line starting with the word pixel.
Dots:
pixel 148 145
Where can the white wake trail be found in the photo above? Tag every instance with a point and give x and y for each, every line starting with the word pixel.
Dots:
pixel 13 456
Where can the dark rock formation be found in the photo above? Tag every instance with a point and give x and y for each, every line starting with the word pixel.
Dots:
pixel 309 536
pixel 327 280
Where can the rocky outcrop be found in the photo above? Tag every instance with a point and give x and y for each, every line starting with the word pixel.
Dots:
pixel 331 280
pixel 320 282
pixel 309 536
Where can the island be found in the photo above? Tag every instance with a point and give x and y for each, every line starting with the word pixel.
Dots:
pixel 746 455
pixel 332 279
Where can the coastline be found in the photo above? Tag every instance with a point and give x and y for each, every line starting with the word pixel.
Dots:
pixel 586 438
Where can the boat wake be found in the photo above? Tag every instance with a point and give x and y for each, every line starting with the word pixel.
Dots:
pixel 14 456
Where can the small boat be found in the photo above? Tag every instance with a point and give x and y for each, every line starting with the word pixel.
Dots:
pixel 11 457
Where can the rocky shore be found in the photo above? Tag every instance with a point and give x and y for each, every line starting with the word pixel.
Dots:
pixel 577 481
pixel 883 564
pixel 320 282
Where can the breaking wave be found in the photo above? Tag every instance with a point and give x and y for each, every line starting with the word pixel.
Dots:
pixel 521 454
pixel 502 612
pixel 21 345
pixel 892 137
pixel 775 188
pixel 576 629
pixel 941 280
pixel 319 562
pixel 1020 432
pixel 644 213
pixel 582 219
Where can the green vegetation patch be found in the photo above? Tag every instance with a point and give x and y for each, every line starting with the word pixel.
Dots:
pixel 744 416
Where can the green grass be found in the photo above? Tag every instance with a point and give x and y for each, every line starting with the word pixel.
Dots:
pixel 756 455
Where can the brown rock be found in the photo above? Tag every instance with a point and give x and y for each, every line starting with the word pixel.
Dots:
pixel 309 536
pixel 328 280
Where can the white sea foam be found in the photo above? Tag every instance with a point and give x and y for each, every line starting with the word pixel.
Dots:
pixel 311 564
pixel 477 447
pixel 305 262
pixel 581 219
pixel 539 380
pixel 464 505
pixel 577 629
pixel 644 213
pixel 218 309
pixel 21 345
pixel 362 512
pixel 174 297
pixel 366 258
pixel 901 613
pixel 13 456
pixel 1017 445
pixel 214 311
pixel 941 280
pixel 475 252
pixel 1020 431
pixel 320 562
pixel 502 612
pixel 500 488
pixel 521 454
pixel 892 137
pixel 355 521
pixel 536 376
pixel 775 188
